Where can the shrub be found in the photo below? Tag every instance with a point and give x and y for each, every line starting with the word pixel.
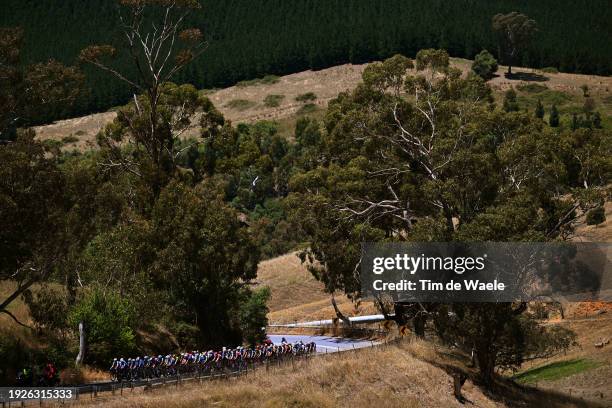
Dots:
pixel 70 139
pixel 553 119
pixel 253 315
pixel 539 111
pixel 585 90
pixel 510 103
pixel 306 109
pixel 109 321
pixel 306 97
pixel 596 216
pixel 589 105
pixel 52 144
pixel 550 70
pixel 273 101
pixel 240 104
pixel 485 65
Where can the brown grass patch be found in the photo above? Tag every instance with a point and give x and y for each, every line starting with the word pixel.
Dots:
pixel 382 377
pixel 298 296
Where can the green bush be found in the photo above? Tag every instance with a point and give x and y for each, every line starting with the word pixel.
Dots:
pixel 253 315
pixel 109 321
pixel 510 104
pixel 273 101
pixel 306 97
pixel 306 109
pixel 596 216
pixel 484 65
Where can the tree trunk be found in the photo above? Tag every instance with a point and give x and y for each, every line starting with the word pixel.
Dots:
pixel 459 379
pixel 509 70
pixel 486 365
pixel 81 356
pixel 419 325
pixel 341 316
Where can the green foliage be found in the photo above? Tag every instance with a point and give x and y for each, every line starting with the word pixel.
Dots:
pixel 253 315
pixel 500 335
pixel 372 181
pixel 390 74
pixel 307 109
pixel 32 213
pixel 510 102
pixel 484 65
pixel 436 60
pixel 306 97
pixel 285 38
pixel 596 216
pixel 597 120
pixel 240 104
pixel 201 253
pixel 48 308
pixel 31 94
pixel 553 119
pixel 539 111
pixel 110 322
pixel 514 31
pixel 273 101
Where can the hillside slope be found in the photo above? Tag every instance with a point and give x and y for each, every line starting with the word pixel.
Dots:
pixel 245 103
pixel 409 374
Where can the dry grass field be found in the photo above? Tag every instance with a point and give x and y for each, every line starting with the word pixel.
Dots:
pixel 409 374
pixel 562 89
pixel 298 296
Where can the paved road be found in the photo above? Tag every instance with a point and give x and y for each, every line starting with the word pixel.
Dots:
pixel 324 343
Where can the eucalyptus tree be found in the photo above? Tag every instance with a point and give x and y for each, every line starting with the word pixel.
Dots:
pixel 438 161
pixel 158 46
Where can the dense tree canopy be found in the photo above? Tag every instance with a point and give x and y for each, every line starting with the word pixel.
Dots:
pixel 248 40
pixel 439 162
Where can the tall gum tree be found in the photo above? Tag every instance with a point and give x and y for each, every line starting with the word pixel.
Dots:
pixel 440 162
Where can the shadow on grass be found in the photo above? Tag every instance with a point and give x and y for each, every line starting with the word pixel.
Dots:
pixel 512 393
pixel 526 76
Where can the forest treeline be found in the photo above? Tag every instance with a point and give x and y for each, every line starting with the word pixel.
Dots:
pixel 249 39
pixel 152 234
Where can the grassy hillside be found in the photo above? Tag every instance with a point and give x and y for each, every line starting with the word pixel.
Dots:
pixel 409 374
pixel 562 89
pixel 297 296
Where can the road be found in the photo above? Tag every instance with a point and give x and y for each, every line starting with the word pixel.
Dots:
pixel 325 344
